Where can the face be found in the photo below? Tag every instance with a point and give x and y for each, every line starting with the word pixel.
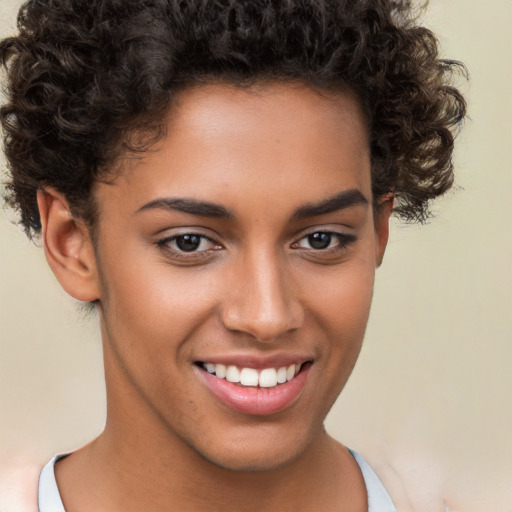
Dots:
pixel 242 248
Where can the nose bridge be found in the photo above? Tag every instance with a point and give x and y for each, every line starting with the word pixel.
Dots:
pixel 262 301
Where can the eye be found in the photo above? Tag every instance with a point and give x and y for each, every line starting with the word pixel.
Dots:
pixel 188 243
pixel 318 240
pixel 322 240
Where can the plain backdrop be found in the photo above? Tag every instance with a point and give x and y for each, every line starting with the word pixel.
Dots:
pixel 430 399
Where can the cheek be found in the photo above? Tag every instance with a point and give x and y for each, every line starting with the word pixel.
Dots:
pixel 346 292
pixel 342 308
pixel 150 306
pixel 150 312
pixel 338 312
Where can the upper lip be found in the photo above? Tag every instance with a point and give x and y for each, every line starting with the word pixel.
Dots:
pixel 257 362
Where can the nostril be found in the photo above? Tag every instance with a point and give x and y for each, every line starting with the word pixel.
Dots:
pixel 263 327
pixel 263 304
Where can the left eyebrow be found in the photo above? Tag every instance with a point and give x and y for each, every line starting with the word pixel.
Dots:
pixel 190 206
pixel 340 201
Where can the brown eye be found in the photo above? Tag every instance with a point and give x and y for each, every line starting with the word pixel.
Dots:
pixel 325 240
pixel 188 243
pixel 320 240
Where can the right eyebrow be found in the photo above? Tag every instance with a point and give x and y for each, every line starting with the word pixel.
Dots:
pixel 190 206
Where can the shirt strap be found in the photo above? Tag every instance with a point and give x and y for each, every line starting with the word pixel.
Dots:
pixel 378 498
pixel 48 499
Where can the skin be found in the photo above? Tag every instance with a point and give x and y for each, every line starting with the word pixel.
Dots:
pixel 254 287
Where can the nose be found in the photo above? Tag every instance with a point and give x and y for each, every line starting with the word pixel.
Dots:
pixel 261 300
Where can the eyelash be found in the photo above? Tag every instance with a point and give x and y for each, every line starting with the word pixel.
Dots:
pixel 344 240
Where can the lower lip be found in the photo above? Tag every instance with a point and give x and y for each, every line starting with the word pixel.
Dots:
pixel 255 400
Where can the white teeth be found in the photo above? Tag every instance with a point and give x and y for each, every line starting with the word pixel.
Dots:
pixel 220 371
pixel 268 378
pixel 281 375
pixel 249 377
pixel 233 374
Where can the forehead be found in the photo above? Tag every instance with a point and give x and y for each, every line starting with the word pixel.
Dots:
pixel 264 142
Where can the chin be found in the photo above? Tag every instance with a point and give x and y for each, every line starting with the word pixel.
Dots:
pixel 256 455
pixel 252 462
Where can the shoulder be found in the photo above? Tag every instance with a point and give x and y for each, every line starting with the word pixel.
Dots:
pixel 379 500
pixel 18 485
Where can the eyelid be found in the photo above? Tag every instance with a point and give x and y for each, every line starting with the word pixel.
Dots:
pixel 168 232
pixel 334 231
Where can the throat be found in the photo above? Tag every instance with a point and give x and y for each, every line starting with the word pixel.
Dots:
pixel 177 480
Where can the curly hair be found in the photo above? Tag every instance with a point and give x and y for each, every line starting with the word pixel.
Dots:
pixel 89 80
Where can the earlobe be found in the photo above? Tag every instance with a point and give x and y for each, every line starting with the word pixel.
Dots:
pixel 68 246
pixel 384 209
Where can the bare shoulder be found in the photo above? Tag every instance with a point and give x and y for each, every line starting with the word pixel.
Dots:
pixel 18 485
pixel 414 479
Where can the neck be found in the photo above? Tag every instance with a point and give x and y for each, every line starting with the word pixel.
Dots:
pixel 147 469
pixel 176 479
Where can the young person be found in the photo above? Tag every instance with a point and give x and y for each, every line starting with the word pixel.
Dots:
pixel 216 179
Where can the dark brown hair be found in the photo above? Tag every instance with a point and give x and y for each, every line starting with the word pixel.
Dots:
pixel 84 76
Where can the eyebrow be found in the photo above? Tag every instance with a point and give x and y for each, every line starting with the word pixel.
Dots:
pixel 191 206
pixel 340 201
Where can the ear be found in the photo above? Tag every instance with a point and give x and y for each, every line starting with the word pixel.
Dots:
pixel 68 246
pixel 383 211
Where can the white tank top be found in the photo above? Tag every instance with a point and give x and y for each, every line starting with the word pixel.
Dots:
pixel 378 498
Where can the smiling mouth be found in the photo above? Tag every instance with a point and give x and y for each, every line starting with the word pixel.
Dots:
pixel 250 377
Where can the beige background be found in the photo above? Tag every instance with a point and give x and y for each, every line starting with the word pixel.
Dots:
pixel 429 403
